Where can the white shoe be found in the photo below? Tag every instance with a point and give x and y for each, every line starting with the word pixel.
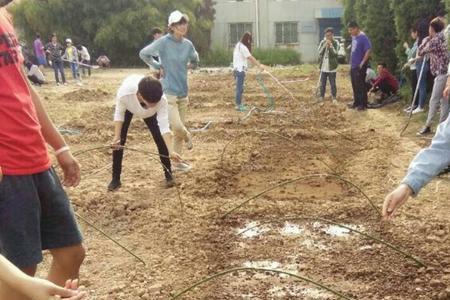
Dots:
pixel 335 101
pixel 418 110
pixel 181 167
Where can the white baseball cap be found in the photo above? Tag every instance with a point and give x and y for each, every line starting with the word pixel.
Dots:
pixel 176 17
pixel 68 41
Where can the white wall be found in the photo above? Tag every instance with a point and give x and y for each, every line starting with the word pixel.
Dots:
pixel 271 12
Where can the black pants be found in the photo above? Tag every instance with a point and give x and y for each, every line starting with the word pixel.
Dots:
pixel 385 88
pixel 152 125
pixel 35 80
pixel 414 82
pixel 83 68
pixel 358 77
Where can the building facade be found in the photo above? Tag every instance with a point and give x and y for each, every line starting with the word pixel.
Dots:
pixel 297 24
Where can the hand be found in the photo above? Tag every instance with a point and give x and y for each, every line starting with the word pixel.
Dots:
pixel 262 67
pixel 71 169
pixel 361 65
pixel 446 94
pixel 40 289
pixel 115 144
pixel 395 200
pixel 405 45
pixel 161 72
pixel 175 157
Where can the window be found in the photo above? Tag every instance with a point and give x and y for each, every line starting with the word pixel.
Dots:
pixel 237 30
pixel 286 33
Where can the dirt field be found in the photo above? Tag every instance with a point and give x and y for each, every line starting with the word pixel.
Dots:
pixel 184 239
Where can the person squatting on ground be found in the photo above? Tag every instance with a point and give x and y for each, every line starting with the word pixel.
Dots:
pixel 39 51
pixel 71 56
pixel 54 50
pixel 34 74
pixel 142 97
pixel 411 54
pixel 386 84
pixel 328 63
pixel 103 61
pixel 36 288
pixel 435 46
pixel 177 54
pixel 36 212
pixel 360 54
pixel 241 55
pixel 426 165
pixel 85 59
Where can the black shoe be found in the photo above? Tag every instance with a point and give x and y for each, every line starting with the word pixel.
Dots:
pixel 424 131
pixel 114 185
pixel 170 183
pixel 351 105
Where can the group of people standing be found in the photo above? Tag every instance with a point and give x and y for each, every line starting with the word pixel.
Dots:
pixel 55 54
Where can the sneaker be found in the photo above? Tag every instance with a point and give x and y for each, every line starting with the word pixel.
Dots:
pixel 65 83
pixel 182 167
pixel 334 101
pixel 424 131
pixel 189 143
pixel 114 185
pixel 58 84
pixel 418 110
pixel 170 183
pixel 242 108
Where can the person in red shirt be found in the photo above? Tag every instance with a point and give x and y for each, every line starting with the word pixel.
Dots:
pixel 384 82
pixel 35 212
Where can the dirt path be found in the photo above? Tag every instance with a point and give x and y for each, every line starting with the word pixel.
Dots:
pixel 184 242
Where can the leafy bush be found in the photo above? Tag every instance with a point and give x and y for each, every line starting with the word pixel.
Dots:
pixel 277 56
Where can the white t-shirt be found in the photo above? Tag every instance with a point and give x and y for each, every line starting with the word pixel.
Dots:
pixel 126 99
pixel 85 53
pixel 34 70
pixel 240 56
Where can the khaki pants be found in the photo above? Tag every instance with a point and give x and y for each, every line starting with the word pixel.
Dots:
pixel 177 116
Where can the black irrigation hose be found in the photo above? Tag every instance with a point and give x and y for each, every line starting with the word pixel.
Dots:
pixel 220 274
pixel 303 178
pixel 296 218
pixel 262 132
pixel 110 238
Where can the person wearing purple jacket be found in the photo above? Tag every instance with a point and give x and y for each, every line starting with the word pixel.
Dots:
pixel 361 48
pixel 39 51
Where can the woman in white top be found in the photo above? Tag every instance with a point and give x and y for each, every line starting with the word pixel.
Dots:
pixel 143 97
pixel 241 56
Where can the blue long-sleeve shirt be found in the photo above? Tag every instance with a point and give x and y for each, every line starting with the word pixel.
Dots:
pixel 430 161
pixel 174 56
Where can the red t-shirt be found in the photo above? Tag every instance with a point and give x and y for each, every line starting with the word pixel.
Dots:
pixel 22 147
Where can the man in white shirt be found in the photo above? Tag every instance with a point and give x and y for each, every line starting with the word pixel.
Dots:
pixel 85 59
pixel 142 97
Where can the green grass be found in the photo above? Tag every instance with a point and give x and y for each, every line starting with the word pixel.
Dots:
pixel 220 57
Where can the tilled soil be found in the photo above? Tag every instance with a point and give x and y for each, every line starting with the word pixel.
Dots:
pixel 184 234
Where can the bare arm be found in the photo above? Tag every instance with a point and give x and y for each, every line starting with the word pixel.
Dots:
pixel 52 136
pixel 366 57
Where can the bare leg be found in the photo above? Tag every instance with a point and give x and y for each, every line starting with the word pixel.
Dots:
pixel 66 264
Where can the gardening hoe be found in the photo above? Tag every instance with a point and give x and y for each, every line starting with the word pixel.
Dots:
pixel 415 95
pixel 281 85
pixel 84 65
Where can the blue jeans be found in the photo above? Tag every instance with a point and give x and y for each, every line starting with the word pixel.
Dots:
pixel 323 83
pixel 74 67
pixel 240 77
pixel 422 92
pixel 58 67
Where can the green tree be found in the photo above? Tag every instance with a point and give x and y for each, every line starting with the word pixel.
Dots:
pixel 120 28
pixel 407 13
pixel 349 15
pixel 380 28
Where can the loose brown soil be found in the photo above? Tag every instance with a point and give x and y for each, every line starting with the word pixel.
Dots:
pixel 183 242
